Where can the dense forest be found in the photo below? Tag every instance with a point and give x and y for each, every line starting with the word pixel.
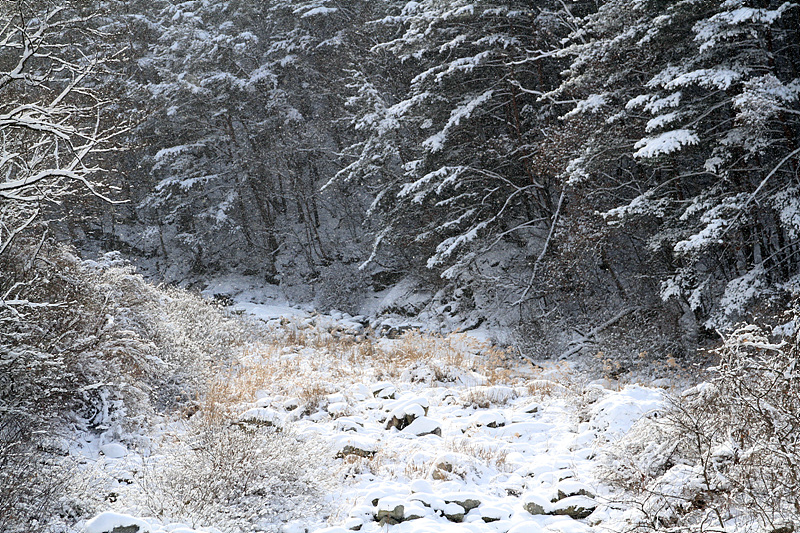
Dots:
pixel 540 164
pixel 615 179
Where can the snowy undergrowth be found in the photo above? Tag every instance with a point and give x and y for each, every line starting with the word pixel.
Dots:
pixel 317 428
pixel 306 423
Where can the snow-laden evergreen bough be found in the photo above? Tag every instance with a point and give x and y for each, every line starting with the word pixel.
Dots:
pixel 692 112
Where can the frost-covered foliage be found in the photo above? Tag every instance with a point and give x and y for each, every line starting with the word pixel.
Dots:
pixel 725 453
pixel 693 145
pixel 455 141
pixel 236 477
pixel 93 347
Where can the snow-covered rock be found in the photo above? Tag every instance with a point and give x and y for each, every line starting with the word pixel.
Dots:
pixel 262 416
pixel 536 504
pixel 575 507
pixel 615 413
pixel 423 426
pixel 114 450
pixel 359 445
pixel 109 522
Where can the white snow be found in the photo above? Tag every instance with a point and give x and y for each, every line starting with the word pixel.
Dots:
pixel 591 104
pixel 106 522
pixel 667 142
pixel 466 455
pixel 114 450
pixel 616 413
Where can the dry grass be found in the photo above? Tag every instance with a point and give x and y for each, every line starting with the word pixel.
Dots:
pixel 484 397
pixel 493 457
pixel 467 459
pixel 308 362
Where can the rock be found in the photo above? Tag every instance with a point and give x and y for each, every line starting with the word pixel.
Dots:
pixel 404 412
pixel 352 450
pixel 576 507
pixel 116 523
pixel 354 524
pixel 424 426
pixel 292 403
pixel 441 471
pixel 532 408
pixel 467 502
pixel 571 487
pixel 351 444
pixel 414 510
pixel 336 397
pixel 428 500
pixel 391 516
pixel 489 419
pixel 113 450
pixel 454 512
pixel 384 390
pixel 338 409
pixel 490 513
pixel 420 485
pixel 536 504
pixel 400 422
pixel 348 423
pixel 261 416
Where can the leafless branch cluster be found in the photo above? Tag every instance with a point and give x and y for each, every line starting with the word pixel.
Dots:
pixel 52 121
pixel 726 453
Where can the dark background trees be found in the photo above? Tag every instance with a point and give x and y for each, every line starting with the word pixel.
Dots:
pixel 534 164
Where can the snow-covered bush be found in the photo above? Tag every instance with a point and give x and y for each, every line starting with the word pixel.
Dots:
pixel 95 347
pixel 342 287
pixel 726 453
pixel 239 477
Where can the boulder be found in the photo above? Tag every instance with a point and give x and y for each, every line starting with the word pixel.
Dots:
pixel 576 507
pixel 571 487
pixel 404 412
pixel 390 515
pixel 384 390
pixel 114 450
pixel 116 523
pixel 536 504
pixel 261 416
pixel 454 512
pixel 353 444
pixel 423 426
pixel 415 510
pixel 468 502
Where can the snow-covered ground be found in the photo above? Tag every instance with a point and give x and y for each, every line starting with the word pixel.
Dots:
pixel 415 434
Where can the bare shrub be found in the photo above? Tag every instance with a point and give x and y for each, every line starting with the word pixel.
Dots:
pixel 31 482
pixel 725 452
pixel 341 286
pixel 92 347
pixel 234 476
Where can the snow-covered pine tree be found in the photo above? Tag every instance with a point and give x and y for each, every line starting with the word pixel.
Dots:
pixel 694 121
pixel 242 101
pixel 449 152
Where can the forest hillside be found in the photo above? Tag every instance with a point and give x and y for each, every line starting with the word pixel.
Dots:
pixel 564 235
